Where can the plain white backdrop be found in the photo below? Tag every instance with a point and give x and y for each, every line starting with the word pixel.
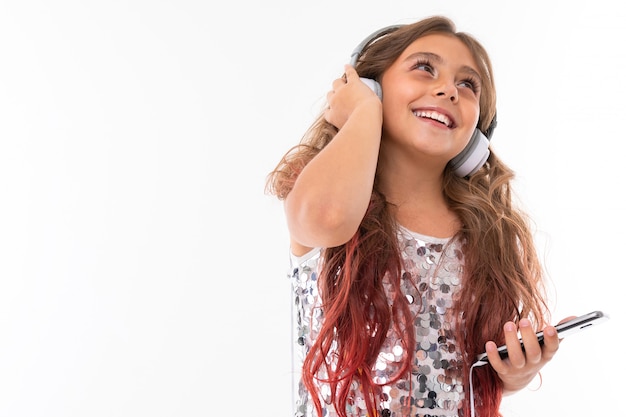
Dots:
pixel 142 267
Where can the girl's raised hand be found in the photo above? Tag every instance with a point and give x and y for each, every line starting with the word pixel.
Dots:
pixel 348 92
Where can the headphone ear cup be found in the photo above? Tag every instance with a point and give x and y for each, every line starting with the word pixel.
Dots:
pixel 473 156
pixel 374 86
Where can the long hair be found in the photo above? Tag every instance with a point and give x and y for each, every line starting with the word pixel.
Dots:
pixel 502 276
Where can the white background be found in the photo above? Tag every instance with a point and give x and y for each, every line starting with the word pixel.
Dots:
pixel 142 267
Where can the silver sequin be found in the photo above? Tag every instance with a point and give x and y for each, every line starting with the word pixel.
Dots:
pixel 430 280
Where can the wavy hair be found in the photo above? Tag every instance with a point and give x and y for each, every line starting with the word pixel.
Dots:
pixel 502 276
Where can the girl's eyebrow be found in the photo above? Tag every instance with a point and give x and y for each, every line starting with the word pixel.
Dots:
pixel 436 59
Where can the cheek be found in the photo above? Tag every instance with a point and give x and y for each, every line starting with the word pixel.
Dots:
pixel 397 89
pixel 473 113
pixel 392 109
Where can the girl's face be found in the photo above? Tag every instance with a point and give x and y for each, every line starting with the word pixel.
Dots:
pixel 431 98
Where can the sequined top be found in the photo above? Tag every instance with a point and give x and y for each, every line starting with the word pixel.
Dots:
pixel 432 271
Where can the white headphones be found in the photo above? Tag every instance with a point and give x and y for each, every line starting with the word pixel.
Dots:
pixel 474 155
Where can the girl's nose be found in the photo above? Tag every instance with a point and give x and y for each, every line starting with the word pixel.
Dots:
pixel 447 90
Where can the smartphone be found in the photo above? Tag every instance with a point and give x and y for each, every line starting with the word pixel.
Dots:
pixel 564 329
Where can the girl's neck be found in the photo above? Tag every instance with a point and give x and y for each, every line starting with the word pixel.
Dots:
pixel 419 205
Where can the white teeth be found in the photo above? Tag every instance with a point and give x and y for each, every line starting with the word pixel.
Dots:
pixel 433 115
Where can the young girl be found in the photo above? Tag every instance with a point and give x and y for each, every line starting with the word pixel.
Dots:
pixel 407 262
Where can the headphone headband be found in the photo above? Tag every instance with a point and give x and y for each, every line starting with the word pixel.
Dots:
pixel 354 57
pixel 356 53
pixel 477 150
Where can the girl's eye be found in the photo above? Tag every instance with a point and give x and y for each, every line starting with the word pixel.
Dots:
pixel 424 66
pixel 470 83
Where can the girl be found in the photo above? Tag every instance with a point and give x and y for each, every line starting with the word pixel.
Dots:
pixel 406 266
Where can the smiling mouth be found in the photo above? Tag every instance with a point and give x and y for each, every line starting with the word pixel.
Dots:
pixel 433 115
